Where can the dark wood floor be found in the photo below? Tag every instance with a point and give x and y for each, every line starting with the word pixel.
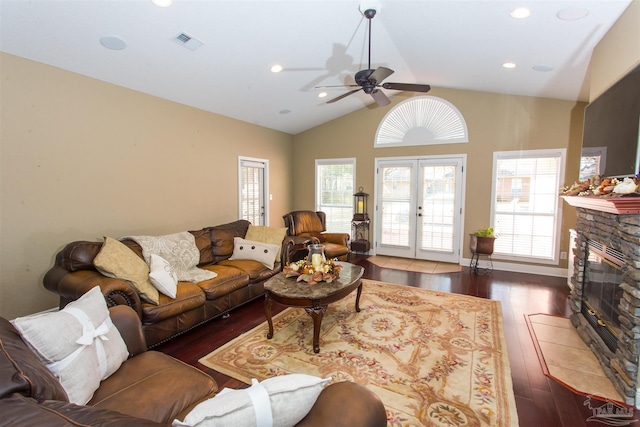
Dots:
pixel 541 402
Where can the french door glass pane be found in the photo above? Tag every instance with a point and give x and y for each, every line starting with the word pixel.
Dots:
pixel 395 205
pixel 438 197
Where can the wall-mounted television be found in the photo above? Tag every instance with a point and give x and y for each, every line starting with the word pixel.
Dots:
pixel 612 127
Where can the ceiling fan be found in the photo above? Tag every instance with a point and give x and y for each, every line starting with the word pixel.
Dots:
pixel 370 80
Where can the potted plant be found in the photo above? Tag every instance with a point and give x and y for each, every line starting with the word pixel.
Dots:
pixel 482 241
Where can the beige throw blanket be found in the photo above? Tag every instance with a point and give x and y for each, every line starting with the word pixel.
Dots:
pixel 180 250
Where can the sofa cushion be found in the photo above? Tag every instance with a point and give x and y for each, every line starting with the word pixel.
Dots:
pixel 228 280
pixel 117 260
pixel 154 386
pixel 266 234
pixel 163 276
pixel 21 371
pixel 264 253
pixel 279 401
pixel 253 269
pixel 222 238
pixel 78 344
pixel 188 297
pixel 18 410
pixel 203 243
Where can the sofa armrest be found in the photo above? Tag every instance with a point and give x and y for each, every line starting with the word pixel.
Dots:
pixel 346 404
pixel 72 285
pixel 128 324
pixel 337 238
pixel 18 410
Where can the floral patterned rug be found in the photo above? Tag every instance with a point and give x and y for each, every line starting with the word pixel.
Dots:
pixel 434 358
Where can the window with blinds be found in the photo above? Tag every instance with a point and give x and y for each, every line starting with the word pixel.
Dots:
pixel 335 182
pixel 526 209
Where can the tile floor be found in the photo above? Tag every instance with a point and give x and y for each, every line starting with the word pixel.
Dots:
pixel 418 266
pixel 568 358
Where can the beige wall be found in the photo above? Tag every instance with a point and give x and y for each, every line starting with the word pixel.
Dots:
pixel 495 123
pixel 81 159
pixel 617 53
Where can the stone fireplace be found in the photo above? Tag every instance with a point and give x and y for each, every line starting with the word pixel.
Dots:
pixel 607 242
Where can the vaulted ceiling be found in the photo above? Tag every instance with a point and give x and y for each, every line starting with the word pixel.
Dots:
pixel 453 44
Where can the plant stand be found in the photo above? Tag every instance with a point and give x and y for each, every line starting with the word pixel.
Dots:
pixel 480 246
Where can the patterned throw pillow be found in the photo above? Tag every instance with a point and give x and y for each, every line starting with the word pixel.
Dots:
pixel 115 259
pixel 279 401
pixel 264 253
pixel 78 344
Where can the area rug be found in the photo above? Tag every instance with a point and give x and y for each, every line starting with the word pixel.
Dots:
pixel 565 358
pixel 415 265
pixel 434 358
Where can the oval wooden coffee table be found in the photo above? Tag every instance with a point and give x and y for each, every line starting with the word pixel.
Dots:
pixel 313 298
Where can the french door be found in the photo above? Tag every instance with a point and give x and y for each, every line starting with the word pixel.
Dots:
pixel 419 208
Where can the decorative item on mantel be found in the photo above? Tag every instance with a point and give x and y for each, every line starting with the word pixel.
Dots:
pixel 314 268
pixel 360 223
pixel 613 195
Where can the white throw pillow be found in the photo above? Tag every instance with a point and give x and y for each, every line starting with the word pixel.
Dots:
pixel 163 276
pixel 267 234
pixel 290 397
pixel 78 344
pixel 264 253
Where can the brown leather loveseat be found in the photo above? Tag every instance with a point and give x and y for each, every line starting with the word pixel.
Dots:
pixel 237 282
pixel 149 389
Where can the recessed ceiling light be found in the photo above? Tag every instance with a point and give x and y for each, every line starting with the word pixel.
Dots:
pixel 113 42
pixel 572 14
pixel 162 3
pixel 520 13
pixel 285 111
pixel 277 68
pixel 509 65
pixel 322 94
pixel 542 68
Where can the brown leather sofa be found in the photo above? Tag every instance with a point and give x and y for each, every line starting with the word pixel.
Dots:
pixel 305 227
pixel 149 389
pixel 237 282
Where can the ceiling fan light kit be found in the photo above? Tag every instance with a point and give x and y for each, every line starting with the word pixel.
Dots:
pixel 370 80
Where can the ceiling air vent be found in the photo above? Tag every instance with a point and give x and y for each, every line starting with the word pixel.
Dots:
pixel 188 41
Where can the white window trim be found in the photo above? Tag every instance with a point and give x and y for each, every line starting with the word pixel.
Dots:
pixel 562 152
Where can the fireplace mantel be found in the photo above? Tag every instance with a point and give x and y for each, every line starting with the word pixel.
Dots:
pixel 614 205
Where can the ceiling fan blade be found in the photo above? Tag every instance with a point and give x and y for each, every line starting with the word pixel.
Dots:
pixel 325 87
pixel 380 98
pixel 407 86
pixel 379 74
pixel 344 95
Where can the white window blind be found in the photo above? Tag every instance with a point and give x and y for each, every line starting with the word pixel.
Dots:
pixel 525 204
pixel 334 192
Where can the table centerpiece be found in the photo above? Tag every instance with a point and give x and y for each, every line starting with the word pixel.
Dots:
pixel 328 271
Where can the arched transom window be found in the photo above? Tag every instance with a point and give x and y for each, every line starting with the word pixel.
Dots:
pixel 422 120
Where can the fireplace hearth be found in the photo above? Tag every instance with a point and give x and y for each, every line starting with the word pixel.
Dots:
pixel 605 295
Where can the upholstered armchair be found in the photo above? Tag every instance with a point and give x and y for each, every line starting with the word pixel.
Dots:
pixel 306 227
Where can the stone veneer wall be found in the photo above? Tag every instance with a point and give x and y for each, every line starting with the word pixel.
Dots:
pixel 621 232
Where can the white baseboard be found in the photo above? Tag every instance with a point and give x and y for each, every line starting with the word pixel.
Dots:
pixel 520 268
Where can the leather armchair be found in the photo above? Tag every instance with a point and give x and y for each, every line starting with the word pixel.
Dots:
pixel 306 227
